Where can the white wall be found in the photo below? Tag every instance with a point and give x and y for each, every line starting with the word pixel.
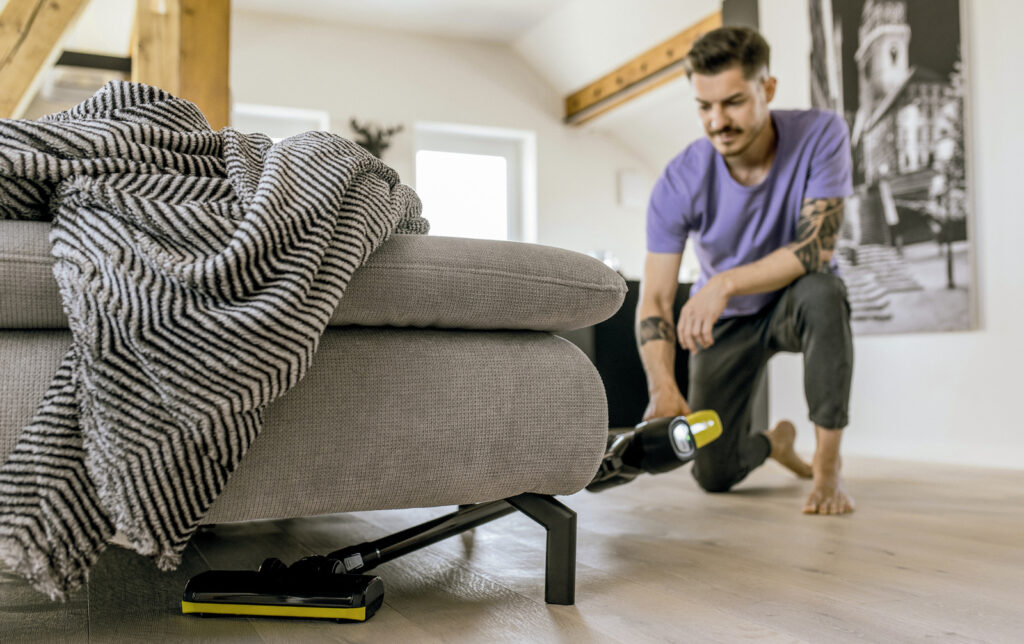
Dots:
pixel 940 397
pixel 390 78
pixel 105 27
pixel 586 39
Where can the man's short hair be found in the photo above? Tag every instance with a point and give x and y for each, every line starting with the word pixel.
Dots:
pixel 727 47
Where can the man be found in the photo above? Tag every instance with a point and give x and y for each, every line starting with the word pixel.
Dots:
pixel 761 198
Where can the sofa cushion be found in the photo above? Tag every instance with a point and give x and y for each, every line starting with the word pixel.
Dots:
pixel 390 418
pixel 411 281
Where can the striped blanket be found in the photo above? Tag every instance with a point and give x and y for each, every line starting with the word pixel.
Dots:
pixel 198 270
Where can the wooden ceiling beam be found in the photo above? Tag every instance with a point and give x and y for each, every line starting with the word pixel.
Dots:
pixel 653 68
pixel 182 46
pixel 31 32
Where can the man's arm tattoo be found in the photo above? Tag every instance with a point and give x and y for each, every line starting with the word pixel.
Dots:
pixel 817 231
pixel 655 328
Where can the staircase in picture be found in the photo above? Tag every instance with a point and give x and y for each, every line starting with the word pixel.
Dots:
pixel 873 272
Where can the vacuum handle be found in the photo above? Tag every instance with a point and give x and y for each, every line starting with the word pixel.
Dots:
pixel 370 554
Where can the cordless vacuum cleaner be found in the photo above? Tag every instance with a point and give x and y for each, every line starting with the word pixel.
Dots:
pixel 655 447
pixel 335 586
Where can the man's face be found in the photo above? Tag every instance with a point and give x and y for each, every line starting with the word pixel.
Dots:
pixel 733 110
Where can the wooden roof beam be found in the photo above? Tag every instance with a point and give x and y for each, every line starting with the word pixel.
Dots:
pixel 31 32
pixel 651 69
pixel 182 46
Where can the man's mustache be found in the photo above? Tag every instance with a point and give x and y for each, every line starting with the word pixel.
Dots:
pixel 726 130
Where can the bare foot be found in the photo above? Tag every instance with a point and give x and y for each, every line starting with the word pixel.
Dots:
pixel 828 496
pixel 783 437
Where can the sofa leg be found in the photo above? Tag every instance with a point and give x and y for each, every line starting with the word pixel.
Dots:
pixel 560 523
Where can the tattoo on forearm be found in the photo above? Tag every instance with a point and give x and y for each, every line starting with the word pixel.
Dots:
pixel 817 231
pixel 655 328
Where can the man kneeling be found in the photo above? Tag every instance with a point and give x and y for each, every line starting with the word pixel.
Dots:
pixel 761 198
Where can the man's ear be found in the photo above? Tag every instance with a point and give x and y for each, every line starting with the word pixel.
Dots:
pixel 769 88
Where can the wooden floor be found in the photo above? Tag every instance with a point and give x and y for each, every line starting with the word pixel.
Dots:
pixel 932 553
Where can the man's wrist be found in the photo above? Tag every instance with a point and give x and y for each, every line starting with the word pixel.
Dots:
pixel 661 389
pixel 724 283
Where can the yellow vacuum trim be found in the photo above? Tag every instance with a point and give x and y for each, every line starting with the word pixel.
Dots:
pixel 705 425
pixel 358 614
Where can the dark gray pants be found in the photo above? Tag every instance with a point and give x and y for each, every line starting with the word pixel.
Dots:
pixel 811 316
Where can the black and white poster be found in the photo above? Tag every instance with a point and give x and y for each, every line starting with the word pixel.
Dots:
pixel 893 69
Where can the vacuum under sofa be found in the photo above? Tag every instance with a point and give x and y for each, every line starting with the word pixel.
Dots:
pixel 334 586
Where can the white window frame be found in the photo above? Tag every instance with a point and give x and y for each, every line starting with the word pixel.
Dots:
pixel 518 147
pixel 280 113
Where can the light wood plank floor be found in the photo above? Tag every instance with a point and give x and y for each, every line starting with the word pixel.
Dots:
pixel 932 553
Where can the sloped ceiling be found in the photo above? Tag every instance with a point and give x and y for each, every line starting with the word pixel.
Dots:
pixel 488 20
pixel 568 42
pixel 584 40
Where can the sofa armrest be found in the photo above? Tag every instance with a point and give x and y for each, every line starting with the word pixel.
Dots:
pixel 449 282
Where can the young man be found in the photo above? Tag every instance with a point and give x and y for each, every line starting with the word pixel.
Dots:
pixel 762 200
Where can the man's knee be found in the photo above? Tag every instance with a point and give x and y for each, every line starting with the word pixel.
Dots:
pixel 714 480
pixel 820 300
pixel 820 291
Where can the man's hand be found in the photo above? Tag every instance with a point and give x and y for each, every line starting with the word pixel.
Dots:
pixel 665 403
pixel 699 314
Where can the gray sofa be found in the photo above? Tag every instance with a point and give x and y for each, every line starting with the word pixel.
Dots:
pixel 438 382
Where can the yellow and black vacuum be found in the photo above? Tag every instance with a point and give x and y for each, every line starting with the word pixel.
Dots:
pixel 335 587
pixel 655 447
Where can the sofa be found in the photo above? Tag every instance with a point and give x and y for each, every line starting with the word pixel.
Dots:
pixel 438 382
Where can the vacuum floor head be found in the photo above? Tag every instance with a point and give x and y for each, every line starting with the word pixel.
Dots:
pixel 313 588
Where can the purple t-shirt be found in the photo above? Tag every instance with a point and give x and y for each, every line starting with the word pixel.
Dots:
pixel 732 224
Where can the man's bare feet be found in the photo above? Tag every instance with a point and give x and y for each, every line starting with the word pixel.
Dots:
pixel 783 438
pixel 828 495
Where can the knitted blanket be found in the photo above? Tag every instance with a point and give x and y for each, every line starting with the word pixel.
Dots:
pixel 198 270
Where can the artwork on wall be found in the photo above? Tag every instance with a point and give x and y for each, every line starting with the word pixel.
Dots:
pixel 372 137
pixel 893 69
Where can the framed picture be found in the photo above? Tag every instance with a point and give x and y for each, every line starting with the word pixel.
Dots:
pixel 894 70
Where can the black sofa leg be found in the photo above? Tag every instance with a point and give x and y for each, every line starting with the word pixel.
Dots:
pixel 560 523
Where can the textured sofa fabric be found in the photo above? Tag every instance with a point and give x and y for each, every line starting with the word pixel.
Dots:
pixel 391 418
pixel 411 417
pixel 412 280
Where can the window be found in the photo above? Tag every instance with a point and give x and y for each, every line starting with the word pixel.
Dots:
pixel 464 195
pixel 477 182
pixel 277 122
